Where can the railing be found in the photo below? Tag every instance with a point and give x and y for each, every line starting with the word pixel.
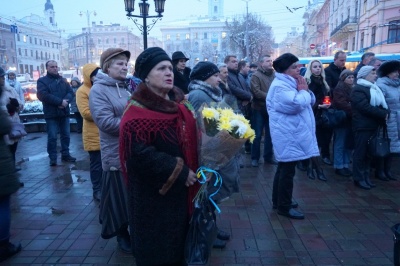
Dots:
pixel 344 22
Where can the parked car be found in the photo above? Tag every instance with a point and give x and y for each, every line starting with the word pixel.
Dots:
pixel 29 91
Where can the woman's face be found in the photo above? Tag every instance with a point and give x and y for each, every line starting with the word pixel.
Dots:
pixel 118 69
pixel 293 70
pixel 394 75
pixel 214 80
pixel 349 80
pixel 371 77
pixel 74 83
pixel 161 78
pixel 181 64
pixel 316 68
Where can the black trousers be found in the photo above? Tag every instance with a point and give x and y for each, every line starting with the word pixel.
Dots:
pixel 13 149
pixel 361 160
pixel 324 137
pixel 283 185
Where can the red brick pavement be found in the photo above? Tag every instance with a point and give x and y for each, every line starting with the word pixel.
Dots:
pixel 56 220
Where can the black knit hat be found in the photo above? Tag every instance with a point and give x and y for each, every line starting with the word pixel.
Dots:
pixel 388 67
pixel 203 70
pixel 176 56
pixel 148 59
pixel 283 62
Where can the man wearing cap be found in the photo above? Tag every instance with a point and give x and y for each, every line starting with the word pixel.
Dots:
pixel 181 71
pixel 55 94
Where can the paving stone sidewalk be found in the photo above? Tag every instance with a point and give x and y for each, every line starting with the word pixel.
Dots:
pixel 56 220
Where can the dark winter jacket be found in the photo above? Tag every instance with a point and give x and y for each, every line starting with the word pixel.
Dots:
pixel 341 98
pixel 332 73
pixel 365 116
pixel 182 80
pixel 260 82
pixel 51 91
pixel 240 90
pixel 318 88
pixel 8 180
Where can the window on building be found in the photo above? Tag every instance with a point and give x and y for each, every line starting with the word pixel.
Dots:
pixel 376 2
pixel 26 52
pixel 223 35
pixel 356 10
pixel 37 55
pixel 348 13
pixel 115 40
pixel 25 38
pixel 187 37
pixel 45 55
pixel 12 44
pixel 31 53
pixel 365 6
pixel 35 41
pixel 346 46
pixel 54 57
pixel 40 41
pixel 353 44
pixel 19 51
pixel 215 9
pixel 122 40
pixel 205 35
pixel 373 35
pixel 18 37
pixel 362 40
pixel 394 31
pixel 98 41
pixel 178 36
pixel 107 41
pixel 195 35
pixel 41 55
pixel 52 45
pixel 168 37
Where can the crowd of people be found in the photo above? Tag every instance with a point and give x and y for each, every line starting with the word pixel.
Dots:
pixel 142 137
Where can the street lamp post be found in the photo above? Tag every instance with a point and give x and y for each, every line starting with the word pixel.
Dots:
pixel 88 13
pixel 144 13
pixel 247 29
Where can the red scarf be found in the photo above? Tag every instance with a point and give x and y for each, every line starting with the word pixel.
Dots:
pixel 149 115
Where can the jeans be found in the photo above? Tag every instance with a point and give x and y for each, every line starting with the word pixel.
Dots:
pixel 341 155
pixel 55 126
pixel 96 170
pixel 260 122
pixel 5 218
pixel 283 185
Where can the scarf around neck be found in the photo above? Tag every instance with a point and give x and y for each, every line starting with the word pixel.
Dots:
pixel 377 97
pixel 214 93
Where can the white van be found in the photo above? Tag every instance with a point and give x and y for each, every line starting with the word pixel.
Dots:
pixel 69 74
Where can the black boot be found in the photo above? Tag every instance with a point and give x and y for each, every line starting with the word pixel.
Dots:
pixel 320 173
pixel 310 170
pixel 8 250
pixel 369 182
pixel 387 166
pixel 124 241
pixel 379 169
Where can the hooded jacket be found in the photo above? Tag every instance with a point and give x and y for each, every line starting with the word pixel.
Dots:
pixel 90 132
pixel 291 120
pixel 107 101
pixel 74 108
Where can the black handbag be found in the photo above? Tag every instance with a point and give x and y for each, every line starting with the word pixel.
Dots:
pixel 330 117
pixel 202 233
pixel 379 143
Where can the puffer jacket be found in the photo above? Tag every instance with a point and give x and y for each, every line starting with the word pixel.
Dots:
pixel 365 116
pixel 90 132
pixel 51 91
pixel 107 101
pixel 8 180
pixel 391 90
pixel 291 120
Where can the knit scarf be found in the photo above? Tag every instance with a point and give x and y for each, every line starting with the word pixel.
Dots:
pixel 149 115
pixel 377 97
pixel 214 93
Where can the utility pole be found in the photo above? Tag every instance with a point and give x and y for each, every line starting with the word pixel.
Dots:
pixel 88 54
pixel 246 36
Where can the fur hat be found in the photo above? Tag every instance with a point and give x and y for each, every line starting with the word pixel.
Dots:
pixel 388 67
pixel 178 55
pixel 148 59
pixel 283 62
pixel 203 70
pixel 345 73
pixel 112 52
pixel 364 71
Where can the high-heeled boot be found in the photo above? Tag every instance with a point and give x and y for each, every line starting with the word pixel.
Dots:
pixel 318 169
pixel 387 166
pixel 310 170
pixel 379 169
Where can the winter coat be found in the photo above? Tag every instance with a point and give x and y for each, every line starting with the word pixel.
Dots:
pixel 182 80
pixel 341 98
pixel 74 108
pixel 238 87
pixel 9 92
pixel 51 91
pixel 8 180
pixel 291 120
pixel 259 85
pixel 332 73
pixel 107 101
pixel 391 90
pixel 365 116
pixel 18 88
pixel 90 132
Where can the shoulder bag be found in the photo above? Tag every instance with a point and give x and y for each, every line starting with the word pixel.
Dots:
pixel 379 143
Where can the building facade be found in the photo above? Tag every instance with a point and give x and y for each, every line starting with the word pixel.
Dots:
pixel 8 55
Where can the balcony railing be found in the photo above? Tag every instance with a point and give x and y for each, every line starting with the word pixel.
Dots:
pixel 344 23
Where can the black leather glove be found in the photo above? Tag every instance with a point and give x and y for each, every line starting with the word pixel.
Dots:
pixel 14 102
pixel 12 106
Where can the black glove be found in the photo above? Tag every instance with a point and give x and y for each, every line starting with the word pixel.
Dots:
pixel 12 106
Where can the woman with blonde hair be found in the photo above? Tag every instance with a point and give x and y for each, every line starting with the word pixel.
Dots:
pixel 315 78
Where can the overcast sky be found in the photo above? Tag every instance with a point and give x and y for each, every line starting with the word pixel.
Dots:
pixel 274 12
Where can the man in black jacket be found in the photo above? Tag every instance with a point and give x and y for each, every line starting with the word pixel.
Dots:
pixel 55 94
pixel 332 72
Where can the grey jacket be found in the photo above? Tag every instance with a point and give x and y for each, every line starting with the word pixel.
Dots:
pixel 107 101
pixel 391 90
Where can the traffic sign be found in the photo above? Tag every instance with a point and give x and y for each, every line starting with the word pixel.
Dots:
pixel 312 46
